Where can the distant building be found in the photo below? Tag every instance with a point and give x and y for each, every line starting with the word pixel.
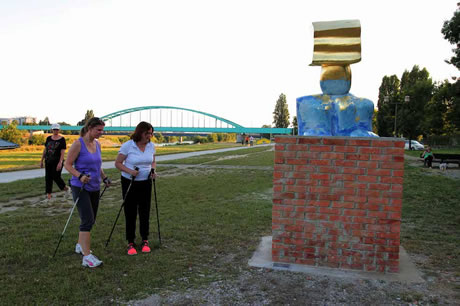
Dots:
pixel 20 120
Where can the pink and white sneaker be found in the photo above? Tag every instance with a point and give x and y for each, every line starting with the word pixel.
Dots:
pixel 145 246
pixel 91 261
pixel 131 249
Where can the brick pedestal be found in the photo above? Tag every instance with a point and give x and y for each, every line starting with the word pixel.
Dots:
pixel 337 202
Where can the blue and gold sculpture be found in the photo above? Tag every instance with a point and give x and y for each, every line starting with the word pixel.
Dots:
pixel 335 112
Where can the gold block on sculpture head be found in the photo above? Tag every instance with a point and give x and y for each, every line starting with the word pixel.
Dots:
pixel 335 72
pixel 336 42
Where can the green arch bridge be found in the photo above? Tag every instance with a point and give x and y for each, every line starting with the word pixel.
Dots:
pixel 194 122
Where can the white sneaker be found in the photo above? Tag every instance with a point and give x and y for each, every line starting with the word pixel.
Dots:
pixel 91 261
pixel 79 250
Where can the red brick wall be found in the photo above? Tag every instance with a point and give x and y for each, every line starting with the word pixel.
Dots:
pixel 337 202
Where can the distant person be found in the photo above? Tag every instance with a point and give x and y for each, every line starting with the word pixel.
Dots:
pixel 138 152
pixel 428 156
pixel 84 162
pixel 251 141
pixel 53 156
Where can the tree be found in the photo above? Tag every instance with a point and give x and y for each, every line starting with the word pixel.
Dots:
pixel 89 114
pixel 12 134
pixel 453 107
pixel 63 123
pixel 37 139
pixel 390 87
pixel 451 32
pixel 435 121
pixel 281 113
pixel 45 121
pixel 295 125
pixel 212 137
pixel 159 138
pixel 266 126
pixel 418 85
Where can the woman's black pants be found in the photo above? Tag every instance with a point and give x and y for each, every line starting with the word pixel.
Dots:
pixel 428 161
pixel 137 201
pixel 51 174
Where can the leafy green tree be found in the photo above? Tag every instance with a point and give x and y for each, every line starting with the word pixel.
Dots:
pixel 266 126
pixel 159 137
pixel 212 137
pixel 374 122
pixel 63 123
pixel 281 113
pixel 390 87
pixel 37 139
pixel 435 121
pixel 12 134
pixel 418 85
pixel 451 32
pixel 453 109
pixel 45 121
pixel 295 125
pixel 89 114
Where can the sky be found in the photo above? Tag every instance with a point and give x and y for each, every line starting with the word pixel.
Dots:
pixel 229 58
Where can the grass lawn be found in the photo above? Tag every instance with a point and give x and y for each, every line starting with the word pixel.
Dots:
pixel 29 158
pixel 256 156
pixel 211 222
pixel 431 220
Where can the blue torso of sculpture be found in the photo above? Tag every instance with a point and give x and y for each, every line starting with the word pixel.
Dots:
pixel 331 114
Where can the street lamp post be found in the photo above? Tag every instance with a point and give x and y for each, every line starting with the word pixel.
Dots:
pixel 387 100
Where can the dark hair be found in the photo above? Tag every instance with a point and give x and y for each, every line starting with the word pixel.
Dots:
pixel 95 121
pixel 141 128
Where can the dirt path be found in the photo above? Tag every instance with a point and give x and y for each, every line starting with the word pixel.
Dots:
pixel 255 286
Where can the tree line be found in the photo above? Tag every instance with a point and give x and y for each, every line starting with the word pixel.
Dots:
pixel 426 108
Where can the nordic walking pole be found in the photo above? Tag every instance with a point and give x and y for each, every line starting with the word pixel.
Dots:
pixel 68 220
pixel 156 206
pixel 105 187
pixel 121 207
pixel 107 182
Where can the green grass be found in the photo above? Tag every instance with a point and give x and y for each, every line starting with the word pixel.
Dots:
pixel 431 219
pixel 211 222
pixel 206 228
pixel 255 156
pixel 20 159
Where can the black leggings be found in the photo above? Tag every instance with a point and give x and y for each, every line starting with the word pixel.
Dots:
pixel 51 174
pixel 428 161
pixel 138 200
pixel 87 205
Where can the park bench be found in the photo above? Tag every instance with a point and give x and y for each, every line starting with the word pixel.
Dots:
pixel 446 158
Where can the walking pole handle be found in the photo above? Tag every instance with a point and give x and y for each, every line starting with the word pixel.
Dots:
pixel 133 177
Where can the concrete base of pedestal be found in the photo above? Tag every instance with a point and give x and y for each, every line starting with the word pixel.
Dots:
pixel 408 272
